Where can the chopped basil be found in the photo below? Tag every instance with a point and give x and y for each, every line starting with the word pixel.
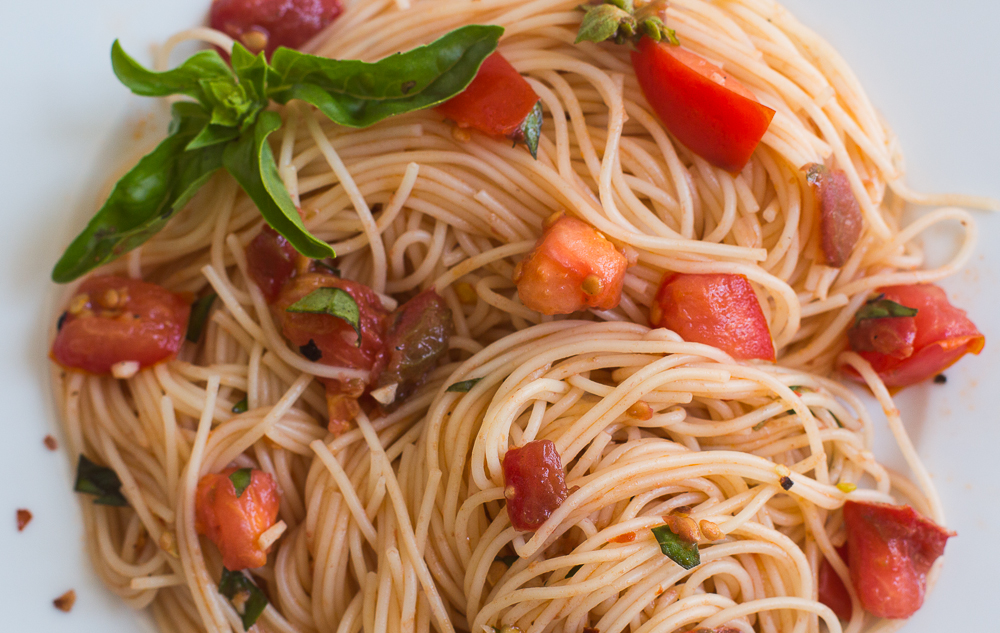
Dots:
pixel 682 552
pixel 332 301
pixel 530 130
pixel 200 310
pixel 463 387
pixel 241 480
pixel 241 406
pixel 573 570
pixel 311 351
pixel 246 597
pixel 100 481
pixel 882 308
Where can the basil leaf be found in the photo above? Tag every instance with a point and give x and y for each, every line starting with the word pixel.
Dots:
pixel 241 480
pixel 530 130
pixel 332 301
pixel 881 308
pixel 212 135
pixel 251 163
pixel 227 101
pixel 185 79
pixel 145 198
pixel 246 597
pixel 682 552
pixel 252 71
pixel 199 315
pixel 100 481
pixel 241 406
pixel 573 570
pixel 359 94
pixel 464 386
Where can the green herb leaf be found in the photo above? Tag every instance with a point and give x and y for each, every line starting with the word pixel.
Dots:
pixel 882 308
pixel 682 552
pixel 251 163
pixel 573 570
pixel 100 481
pixel 602 23
pixel 241 480
pixel 241 406
pixel 185 79
pixel 530 130
pixel 242 591
pixel 252 71
pixel 463 387
pixel 145 198
pixel 332 301
pixel 359 94
pixel 199 315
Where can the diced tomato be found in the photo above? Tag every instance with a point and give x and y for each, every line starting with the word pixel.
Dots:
pixel 720 310
pixel 907 350
pixel 271 262
pixel 840 219
pixel 712 114
pixel 267 24
pixel 234 523
pixel 572 267
pixel 832 591
pixel 497 102
pixel 114 319
pixel 891 549
pixel 534 482
pixel 417 335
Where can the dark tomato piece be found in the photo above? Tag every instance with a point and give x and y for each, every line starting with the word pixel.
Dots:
pixel 271 262
pixel 115 319
pixel 572 267
pixel 712 114
pixel 891 549
pixel 264 25
pixel 534 484
pixel 720 310
pixel 907 350
pixel 234 523
pixel 832 591
pixel 840 219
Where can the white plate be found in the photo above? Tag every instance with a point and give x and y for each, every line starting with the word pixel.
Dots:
pixel 931 66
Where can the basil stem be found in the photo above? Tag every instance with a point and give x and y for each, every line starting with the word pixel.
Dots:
pixel 682 552
pixel 200 310
pixel 100 481
pixel 241 480
pixel 333 301
pixel 246 596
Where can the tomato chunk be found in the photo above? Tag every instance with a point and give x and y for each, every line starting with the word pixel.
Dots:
pixel 271 262
pixel 840 219
pixel 115 319
pixel 832 591
pixel 234 523
pixel 891 549
pixel 534 482
pixel 264 25
pixel 712 114
pixel 907 350
pixel 720 310
pixel 572 267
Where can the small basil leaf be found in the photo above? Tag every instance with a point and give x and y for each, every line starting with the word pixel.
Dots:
pixel 602 23
pixel 332 301
pixel 241 406
pixel 530 130
pixel 185 79
pixel 246 597
pixel 212 135
pixel 251 162
pixel 241 480
pixel 199 315
pixel 228 102
pixel 145 198
pixel 252 71
pixel 682 552
pixel 464 386
pixel 359 94
pixel 100 481
pixel 573 570
pixel 881 308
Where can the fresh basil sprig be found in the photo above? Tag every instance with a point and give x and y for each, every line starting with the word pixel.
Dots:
pixel 333 301
pixel 679 550
pixel 100 481
pixel 621 21
pixel 882 308
pixel 227 126
pixel 246 596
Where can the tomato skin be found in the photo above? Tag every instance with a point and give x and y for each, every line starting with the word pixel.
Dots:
pixel 289 23
pixel 551 280
pixel 840 219
pixel 907 350
pixel 234 524
pixel 534 484
pixel 720 310
pixel 271 262
pixel 712 114
pixel 146 325
pixel 891 549
pixel 495 103
pixel 831 589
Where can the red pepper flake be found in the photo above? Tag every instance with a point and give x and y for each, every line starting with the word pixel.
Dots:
pixel 50 443
pixel 66 601
pixel 23 518
pixel 627 537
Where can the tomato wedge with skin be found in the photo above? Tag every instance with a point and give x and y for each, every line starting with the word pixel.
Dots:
pixel 114 319
pixel 271 262
pixel 907 350
pixel 264 25
pixel 720 310
pixel 534 484
pixel 234 523
pixel 831 589
pixel 840 219
pixel 711 113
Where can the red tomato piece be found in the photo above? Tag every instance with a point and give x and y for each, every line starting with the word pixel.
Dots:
pixel 891 549
pixel 264 25
pixel 115 319
pixel 271 262
pixel 832 591
pixel 712 114
pixel 840 219
pixel 720 310
pixel 496 102
pixel 572 267
pixel 907 350
pixel 234 523
pixel 534 484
